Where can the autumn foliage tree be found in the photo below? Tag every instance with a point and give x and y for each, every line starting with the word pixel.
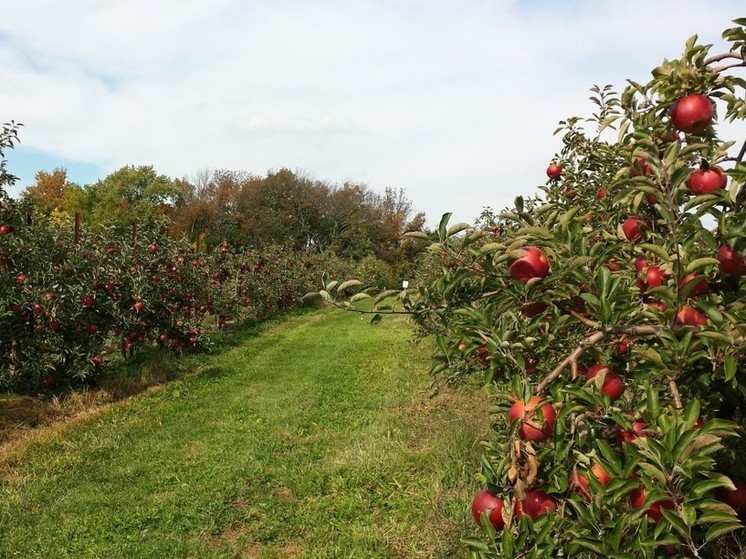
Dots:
pixel 49 189
pixel 607 315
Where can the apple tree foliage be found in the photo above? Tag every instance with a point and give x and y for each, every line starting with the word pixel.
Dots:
pixel 72 298
pixel 632 331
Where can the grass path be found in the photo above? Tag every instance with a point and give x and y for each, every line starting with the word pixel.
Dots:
pixel 315 439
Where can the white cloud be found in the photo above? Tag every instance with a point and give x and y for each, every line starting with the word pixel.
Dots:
pixel 454 101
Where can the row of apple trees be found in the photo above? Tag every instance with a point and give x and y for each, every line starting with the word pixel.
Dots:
pixel 71 298
pixel 609 317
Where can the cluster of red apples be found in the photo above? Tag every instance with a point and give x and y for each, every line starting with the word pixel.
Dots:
pixel 536 418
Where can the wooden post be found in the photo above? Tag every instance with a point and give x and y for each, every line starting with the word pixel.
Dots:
pixel 77 228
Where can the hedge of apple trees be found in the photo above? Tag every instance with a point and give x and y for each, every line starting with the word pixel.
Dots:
pixel 609 316
pixel 71 299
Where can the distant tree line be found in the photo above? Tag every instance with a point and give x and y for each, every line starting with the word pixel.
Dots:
pixel 282 208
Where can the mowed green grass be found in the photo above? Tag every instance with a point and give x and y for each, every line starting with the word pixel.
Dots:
pixel 316 438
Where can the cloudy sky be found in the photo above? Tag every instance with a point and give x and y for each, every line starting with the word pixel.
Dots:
pixel 453 100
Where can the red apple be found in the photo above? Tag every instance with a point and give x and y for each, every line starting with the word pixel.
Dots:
pixel 48 381
pixel 534 264
pixel 613 386
pixel 531 310
pixel 706 181
pixel 569 192
pixel 531 365
pixel 92 329
pixel 536 423
pixel 535 504
pixel 87 301
pixel 613 265
pixel 601 194
pixel 693 285
pixel 622 346
pixel 654 277
pixel 138 306
pixel 640 264
pixel 5 229
pixel 637 500
pixel 153 248
pixel 639 429
pixel 640 167
pixel 486 501
pixel 554 171
pixel 659 305
pixel 731 262
pixel 735 499
pixel 482 354
pixel 21 278
pixel 688 316
pixel 632 228
pixel 579 482
pixel 692 114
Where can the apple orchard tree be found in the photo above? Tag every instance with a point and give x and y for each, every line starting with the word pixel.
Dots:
pixel 609 317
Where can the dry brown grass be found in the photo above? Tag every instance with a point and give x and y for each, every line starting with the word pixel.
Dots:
pixel 26 419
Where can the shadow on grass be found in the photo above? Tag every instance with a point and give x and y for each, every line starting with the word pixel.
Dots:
pixel 149 367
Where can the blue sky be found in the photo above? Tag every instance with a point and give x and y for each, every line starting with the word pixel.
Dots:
pixel 455 101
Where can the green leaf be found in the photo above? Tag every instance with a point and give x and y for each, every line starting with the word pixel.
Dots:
pixel 652 400
pixel 591 299
pixel 676 521
pixel 359 297
pixel 699 445
pixel 720 529
pixel 457 228
pixel 442 231
pixel 657 250
pixel 568 215
pixel 376 319
pixel 593 545
pixel 731 366
pixel 691 414
pixel 415 235
pixel 347 284
pixel 385 295
pixel 700 263
pixel 604 280
pixel 507 541
pixel 491 247
pixel 650 354
pixel 701 488
pixel 609 455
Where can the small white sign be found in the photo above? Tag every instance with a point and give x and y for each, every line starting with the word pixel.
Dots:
pixel 404 284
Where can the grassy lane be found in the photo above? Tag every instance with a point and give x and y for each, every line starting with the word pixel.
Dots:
pixel 315 439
